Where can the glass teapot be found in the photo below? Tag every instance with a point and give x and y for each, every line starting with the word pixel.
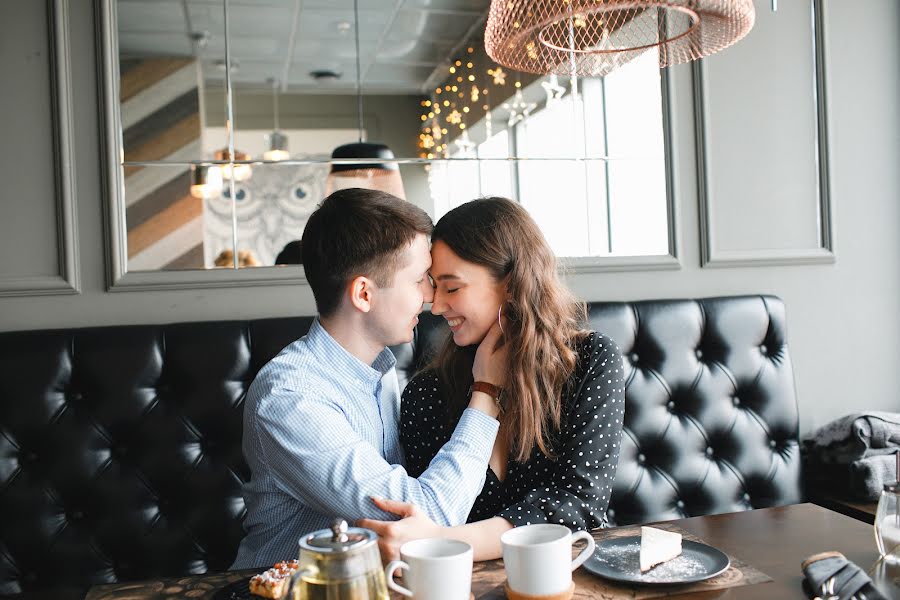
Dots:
pixel 341 563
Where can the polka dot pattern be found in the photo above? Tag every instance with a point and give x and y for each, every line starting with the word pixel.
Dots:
pixel 571 489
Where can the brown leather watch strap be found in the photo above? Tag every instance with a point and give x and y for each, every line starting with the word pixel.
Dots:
pixel 488 388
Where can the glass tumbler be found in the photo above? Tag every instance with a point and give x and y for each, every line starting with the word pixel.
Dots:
pixel 887 523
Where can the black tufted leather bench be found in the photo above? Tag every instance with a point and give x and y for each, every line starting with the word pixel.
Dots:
pixel 120 447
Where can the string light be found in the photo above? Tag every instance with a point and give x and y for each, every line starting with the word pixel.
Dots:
pixel 553 90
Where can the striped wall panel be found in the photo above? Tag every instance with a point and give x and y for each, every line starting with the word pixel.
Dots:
pixel 160 107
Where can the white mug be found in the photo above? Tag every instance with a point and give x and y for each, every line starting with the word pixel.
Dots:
pixel 538 558
pixel 434 569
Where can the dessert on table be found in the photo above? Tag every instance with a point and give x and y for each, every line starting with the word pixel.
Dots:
pixel 273 582
pixel 658 546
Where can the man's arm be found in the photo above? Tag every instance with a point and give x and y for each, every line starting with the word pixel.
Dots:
pixel 315 456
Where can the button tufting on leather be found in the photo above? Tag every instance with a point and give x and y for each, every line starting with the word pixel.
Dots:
pixel 154 441
pixel 736 401
pixel 746 497
pixel 709 451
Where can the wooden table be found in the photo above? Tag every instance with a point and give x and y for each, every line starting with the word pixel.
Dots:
pixel 774 540
pixel 863 511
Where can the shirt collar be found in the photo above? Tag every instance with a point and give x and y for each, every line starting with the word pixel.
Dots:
pixel 344 362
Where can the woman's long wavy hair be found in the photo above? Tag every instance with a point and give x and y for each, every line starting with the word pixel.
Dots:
pixel 543 319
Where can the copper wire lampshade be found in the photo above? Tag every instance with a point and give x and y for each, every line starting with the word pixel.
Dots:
pixel 593 37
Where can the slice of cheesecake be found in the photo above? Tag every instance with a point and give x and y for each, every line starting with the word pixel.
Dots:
pixel 658 546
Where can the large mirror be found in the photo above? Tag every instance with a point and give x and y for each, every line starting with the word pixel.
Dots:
pixel 217 162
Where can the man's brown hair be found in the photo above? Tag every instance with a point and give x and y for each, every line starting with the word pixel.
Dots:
pixel 357 232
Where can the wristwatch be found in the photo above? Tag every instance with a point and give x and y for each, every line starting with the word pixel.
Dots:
pixel 491 390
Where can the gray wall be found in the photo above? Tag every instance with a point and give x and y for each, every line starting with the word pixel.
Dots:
pixel 843 318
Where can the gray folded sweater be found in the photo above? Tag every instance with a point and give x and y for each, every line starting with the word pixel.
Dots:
pixel 867 476
pixel 855 437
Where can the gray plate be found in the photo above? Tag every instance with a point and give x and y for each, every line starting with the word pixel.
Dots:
pixel 619 559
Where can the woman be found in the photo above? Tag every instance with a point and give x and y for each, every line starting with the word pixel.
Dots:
pixel 561 389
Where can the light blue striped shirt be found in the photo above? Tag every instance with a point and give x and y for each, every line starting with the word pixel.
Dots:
pixel 321 438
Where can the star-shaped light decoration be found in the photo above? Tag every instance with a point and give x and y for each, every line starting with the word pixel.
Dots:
pixel 466 146
pixel 553 89
pixel 427 140
pixel 499 75
pixel 454 117
pixel 518 108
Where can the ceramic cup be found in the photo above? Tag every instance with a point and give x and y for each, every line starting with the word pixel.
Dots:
pixel 538 558
pixel 433 569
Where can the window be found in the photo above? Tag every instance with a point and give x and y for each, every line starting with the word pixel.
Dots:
pixel 612 201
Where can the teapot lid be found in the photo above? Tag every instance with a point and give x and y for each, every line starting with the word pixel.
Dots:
pixel 340 538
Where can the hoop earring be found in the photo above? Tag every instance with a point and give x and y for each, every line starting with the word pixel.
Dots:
pixel 499 322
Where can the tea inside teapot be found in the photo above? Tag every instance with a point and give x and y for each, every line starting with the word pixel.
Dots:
pixel 341 563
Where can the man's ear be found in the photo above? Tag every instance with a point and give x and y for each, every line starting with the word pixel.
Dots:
pixel 361 291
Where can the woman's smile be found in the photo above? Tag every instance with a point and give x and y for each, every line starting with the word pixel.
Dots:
pixel 455 323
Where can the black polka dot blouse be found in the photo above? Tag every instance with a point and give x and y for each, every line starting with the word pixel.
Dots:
pixel 574 488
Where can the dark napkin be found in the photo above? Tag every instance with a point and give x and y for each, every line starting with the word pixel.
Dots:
pixel 849 579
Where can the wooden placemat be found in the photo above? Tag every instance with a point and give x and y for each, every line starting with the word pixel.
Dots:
pixel 171 588
pixel 489 585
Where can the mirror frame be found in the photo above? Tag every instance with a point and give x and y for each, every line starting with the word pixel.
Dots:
pixel 824 252
pixel 119 278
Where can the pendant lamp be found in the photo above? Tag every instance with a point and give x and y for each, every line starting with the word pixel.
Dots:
pixel 240 172
pixel 593 37
pixel 206 181
pixel 375 175
pixel 384 176
pixel 276 141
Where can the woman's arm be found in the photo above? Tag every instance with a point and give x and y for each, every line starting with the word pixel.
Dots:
pixel 483 536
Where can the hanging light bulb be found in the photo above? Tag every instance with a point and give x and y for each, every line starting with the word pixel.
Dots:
pixel 240 172
pixel 276 141
pixel 384 176
pixel 206 181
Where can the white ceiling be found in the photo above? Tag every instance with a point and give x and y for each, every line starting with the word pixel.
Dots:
pixel 402 42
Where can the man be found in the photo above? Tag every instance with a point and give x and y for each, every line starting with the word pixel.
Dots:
pixel 321 419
